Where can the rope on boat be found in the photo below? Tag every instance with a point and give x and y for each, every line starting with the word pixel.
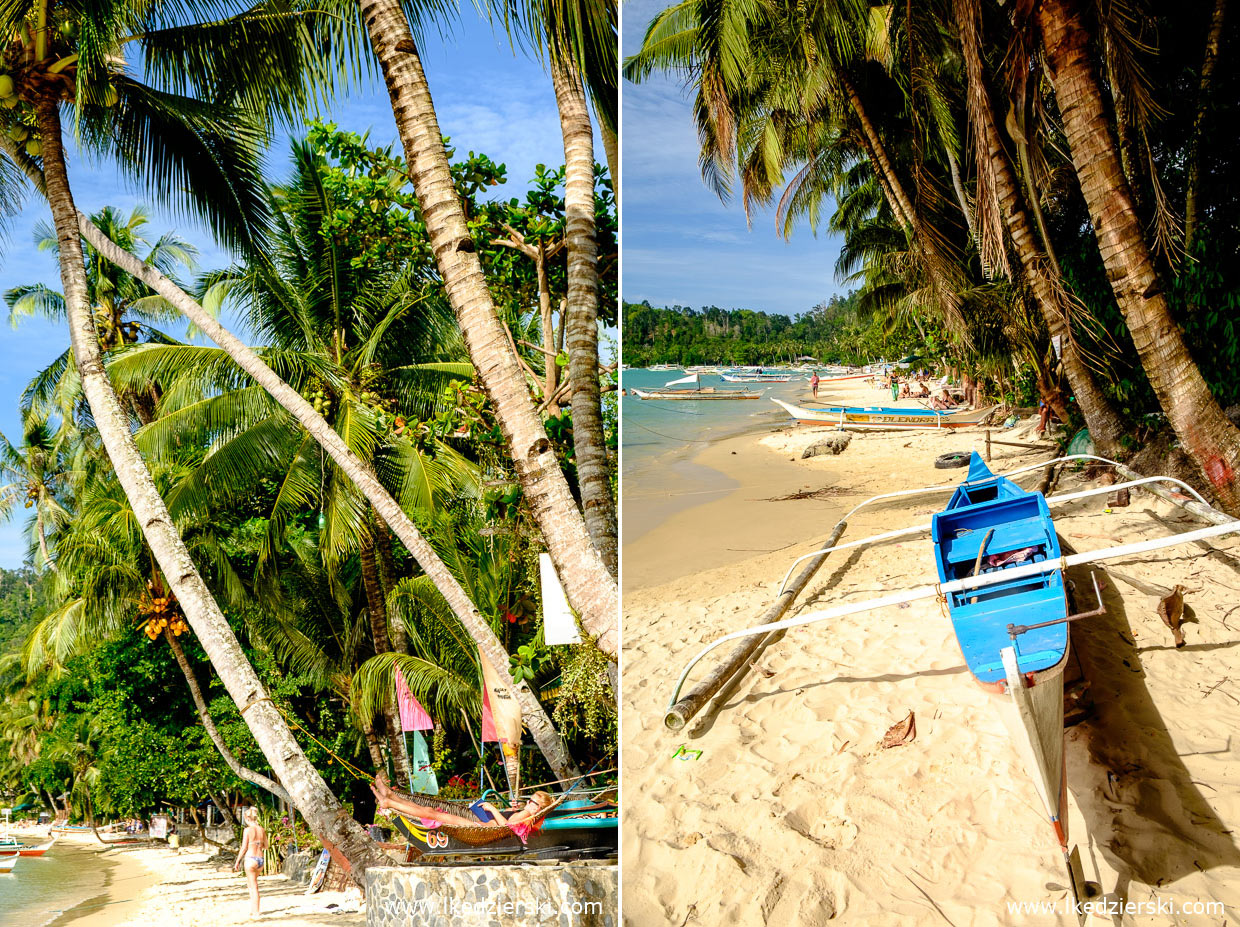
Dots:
pixel 962 585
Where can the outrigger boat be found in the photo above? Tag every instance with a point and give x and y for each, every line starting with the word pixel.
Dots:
pixel 1001 574
pixel 699 392
pixel 8 861
pixel 877 418
pixel 9 843
pixel 759 377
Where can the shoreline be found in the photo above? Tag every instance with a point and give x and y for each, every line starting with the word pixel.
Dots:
pixel 158 886
pixel 793 813
pixel 745 474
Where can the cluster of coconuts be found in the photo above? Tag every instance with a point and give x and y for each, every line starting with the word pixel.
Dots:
pixel 161 610
pixel 321 400
pixel 18 132
pixel 32 494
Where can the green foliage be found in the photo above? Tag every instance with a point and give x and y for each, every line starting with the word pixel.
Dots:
pixel 835 332
pixel 585 706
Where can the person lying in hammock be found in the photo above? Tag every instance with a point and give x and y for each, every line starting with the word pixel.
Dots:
pixel 522 820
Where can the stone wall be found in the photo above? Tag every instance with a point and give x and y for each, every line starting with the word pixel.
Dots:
pixel 568 895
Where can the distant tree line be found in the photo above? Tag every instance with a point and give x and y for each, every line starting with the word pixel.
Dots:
pixel 833 332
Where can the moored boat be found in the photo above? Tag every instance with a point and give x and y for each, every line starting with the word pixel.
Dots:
pixel 861 418
pixel 1013 634
pixel 759 377
pixel 8 861
pixel 1001 577
pixel 698 392
pixel 10 843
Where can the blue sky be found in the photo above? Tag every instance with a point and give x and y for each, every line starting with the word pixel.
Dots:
pixel 488 99
pixel 680 243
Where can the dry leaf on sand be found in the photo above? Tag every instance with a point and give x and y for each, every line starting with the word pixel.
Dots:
pixel 900 733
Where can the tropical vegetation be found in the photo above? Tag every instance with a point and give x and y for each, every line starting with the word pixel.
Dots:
pixel 234 547
pixel 1051 185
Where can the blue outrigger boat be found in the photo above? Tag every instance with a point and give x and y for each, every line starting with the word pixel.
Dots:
pixel 1012 633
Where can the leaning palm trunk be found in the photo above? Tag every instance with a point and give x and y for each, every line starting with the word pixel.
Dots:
pixel 315 801
pixel 997 181
pixel 363 477
pixel 590 588
pixel 200 703
pixel 535 717
pixel 900 204
pixel 593 467
pixel 1206 434
pixel 611 149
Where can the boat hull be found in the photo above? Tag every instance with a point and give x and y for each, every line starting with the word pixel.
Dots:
pixel 1013 634
pixel 694 394
pixel 883 419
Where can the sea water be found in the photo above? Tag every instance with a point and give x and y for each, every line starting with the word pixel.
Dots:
pixel 46 890
pixel 660 437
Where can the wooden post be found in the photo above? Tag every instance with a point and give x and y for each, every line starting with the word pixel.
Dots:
pixel 988 445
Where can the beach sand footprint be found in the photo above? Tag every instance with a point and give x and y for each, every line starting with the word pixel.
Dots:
pixel 828 831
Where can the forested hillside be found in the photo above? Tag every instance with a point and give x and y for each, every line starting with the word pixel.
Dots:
pixel 21 605
pixel 832 332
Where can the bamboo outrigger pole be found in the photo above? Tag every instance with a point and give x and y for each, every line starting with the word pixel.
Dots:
pixel 961 585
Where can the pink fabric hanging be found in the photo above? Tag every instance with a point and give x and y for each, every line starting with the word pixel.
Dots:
pixel 413 716
pixel 488 723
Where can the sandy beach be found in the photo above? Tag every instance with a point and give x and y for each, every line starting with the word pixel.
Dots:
pixel 156 886
pixel 793 814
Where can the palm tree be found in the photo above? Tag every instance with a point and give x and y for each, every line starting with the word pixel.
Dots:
pixel 125 309
pixel 39 475
pixel 342 330
pixel 203 154
pixel 580 38
pixel 589 586
pixel 998 186
pixel 1066 39
pixel 105 576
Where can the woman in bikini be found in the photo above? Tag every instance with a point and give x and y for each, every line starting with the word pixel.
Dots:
pixel 520 820
pixel 253 848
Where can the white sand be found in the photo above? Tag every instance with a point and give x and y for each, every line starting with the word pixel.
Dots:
pixel 155 886
pixel 793 815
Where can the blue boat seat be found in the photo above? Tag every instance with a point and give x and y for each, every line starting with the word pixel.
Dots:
pixel 1027 532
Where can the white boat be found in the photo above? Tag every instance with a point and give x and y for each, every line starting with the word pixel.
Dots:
pixel 878 418
pixel 697 392
pixel 760 377
pixel 8 861
pixel 9 843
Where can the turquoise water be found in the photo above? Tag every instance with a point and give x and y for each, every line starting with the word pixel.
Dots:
pixel 39 892
pixel 658 438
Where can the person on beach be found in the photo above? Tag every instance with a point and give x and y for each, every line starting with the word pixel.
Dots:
pixel 521 821
pixel 813 384
pixel 253 848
